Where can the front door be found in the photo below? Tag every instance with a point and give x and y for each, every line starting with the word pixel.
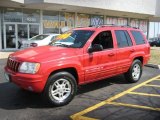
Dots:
pixel 10 36
pixel 15 33
pixel 101 64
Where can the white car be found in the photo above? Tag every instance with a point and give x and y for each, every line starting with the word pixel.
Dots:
pixel 38 40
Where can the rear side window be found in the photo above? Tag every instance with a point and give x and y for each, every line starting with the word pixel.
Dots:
pixel 123 38
pixel 139 39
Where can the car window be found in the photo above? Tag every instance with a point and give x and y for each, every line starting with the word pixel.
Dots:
pixel 39 37
pixel 123 38
pixel 105 39
pixel 139 39
pixel 74 38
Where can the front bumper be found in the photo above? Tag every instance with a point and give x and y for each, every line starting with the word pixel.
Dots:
pixel 31 82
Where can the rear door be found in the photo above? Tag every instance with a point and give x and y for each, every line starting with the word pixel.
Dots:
pixel 125 50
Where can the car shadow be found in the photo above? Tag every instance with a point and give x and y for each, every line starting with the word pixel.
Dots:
pixel 12 97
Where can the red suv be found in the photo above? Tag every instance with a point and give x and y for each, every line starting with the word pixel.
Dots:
pixel 77 57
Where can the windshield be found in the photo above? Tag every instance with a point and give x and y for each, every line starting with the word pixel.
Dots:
pixel 75 38
pixel 39 37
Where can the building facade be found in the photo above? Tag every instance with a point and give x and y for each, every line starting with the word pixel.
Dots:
pixel 23 19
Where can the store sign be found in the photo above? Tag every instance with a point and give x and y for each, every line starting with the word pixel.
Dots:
pixel 134 23
pixel 116 21
pixel 50 24
pixel 96 20
pixel 83 20
pixel 111 20
pixel 56 24
pixel 143 25
pixel 31 19
pixel 67 19
pixel 122 21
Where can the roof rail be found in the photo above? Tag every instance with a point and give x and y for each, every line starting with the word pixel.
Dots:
pixel 112 25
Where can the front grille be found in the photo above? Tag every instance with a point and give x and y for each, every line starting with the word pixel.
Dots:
pixel 13 65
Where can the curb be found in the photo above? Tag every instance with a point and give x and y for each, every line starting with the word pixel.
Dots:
pixel 153 66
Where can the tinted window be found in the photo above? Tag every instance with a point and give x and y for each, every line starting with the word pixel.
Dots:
pixel 138 37
pixel 105 39
pixel 128 38
pixel 123 38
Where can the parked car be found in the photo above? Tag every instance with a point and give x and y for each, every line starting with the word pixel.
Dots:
pixel 77 57
pixel 38 40
pixel 155 43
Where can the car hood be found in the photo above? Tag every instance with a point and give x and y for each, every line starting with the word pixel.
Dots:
pixel 44 53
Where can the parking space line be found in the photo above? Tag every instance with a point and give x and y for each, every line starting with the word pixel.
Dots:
pixel 85 118
pixel 149 85
pixel 78 115
pixel 134 106
pixel 144 94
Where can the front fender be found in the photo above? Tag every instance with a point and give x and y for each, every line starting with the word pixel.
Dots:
pixel 50 67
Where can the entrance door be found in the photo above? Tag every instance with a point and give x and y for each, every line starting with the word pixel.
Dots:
pixel 14 34
pixel 10 36
pixel 22 31
pixel 33 30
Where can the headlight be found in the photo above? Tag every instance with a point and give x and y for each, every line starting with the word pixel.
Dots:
pixel 27 67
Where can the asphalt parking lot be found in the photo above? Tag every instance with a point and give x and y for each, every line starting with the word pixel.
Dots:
pixel 109 99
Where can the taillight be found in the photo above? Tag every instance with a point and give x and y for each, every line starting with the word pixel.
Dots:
pixel 33 44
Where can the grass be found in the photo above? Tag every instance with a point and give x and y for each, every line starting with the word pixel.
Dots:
pixel 155 55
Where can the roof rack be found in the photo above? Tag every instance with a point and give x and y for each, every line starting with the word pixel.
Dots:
pixel 112 25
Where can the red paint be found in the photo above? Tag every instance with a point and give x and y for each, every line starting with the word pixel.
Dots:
pixel 89 66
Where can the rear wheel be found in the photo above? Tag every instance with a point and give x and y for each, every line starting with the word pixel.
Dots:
pixel 134 73
pixel 60 88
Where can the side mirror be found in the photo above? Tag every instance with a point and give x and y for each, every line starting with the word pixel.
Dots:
pixel 95 47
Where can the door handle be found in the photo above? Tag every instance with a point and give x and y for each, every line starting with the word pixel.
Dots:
pixel 111 54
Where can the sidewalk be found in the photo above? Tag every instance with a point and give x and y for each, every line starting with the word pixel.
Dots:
pixel 4 55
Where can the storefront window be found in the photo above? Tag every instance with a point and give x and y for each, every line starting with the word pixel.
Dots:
pixel 67 20
pixel 12 15
pixel 143 26
pixel 116 21
pixel 97 20
pixel 123 21
pixel 50 22
pixel 111 20
pixel 83 20
pixel 33 30
pixel 1 30
pixel 31 16
pixel 134 23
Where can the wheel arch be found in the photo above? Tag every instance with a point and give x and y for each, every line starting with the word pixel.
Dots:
pixel 70 70
pixel 139 58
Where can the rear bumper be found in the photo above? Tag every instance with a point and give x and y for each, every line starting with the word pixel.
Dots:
pixel 31 82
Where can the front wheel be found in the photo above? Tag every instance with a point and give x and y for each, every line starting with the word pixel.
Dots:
pixel 60 88
pixel 134 73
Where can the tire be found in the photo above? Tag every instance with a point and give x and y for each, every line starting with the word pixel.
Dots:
pixel 60 89
pixel 135 71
